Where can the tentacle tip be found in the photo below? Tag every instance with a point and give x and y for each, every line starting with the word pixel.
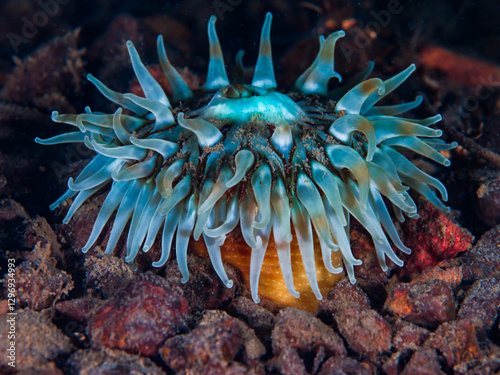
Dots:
pixel 294 293
pixel 184 279
pixel 146 248
pixel 256 299
pixel 54 115
pixel 412 68
pixel 85 249
pixel 212 19
pixel 357 262
pixel 129 44
pixel 229 284
pixel 439 133
pixel 447 163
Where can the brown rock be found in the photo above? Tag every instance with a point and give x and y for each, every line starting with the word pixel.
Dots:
pixel 141 316
pixel 481 304
pixel 343 295
pixel 456 341
pixel 211 348
pixel 204 290
pixel 408 336
pixel 106 274
pixel 488 202
pixel 423 361
pixel 345 366
pixel 41 79
pixel 366 332
pixel 452 275
pixel 253 348
pixel 429 303
pixel 483 260
pixel 108 361
pixel 257 317
pixel 396 362
pixel 79 309
pixel 363 249
pixel 37 341
pixel 487 365
pixel 298 332
pixel 39 283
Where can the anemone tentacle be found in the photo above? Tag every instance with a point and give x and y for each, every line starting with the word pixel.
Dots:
pixel 255 159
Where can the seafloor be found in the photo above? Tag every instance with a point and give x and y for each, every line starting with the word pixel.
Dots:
pixel 92 314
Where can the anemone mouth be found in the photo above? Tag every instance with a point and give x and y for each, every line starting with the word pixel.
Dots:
pixel 282 167
pixel 240 91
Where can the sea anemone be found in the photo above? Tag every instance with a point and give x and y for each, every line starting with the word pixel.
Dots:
pixel 254 160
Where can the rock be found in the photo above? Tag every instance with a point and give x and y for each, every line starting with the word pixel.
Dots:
pixel 79 309
pixel 408 336
pixel 37 340
pixel 106 274
pixel 204 290
pixel 141 316
pixel 39 283
pixel 487 365
pixel 257 317
pixel 429 303
pixel 108 361
pixel 343 295
pixel 253 348
pixel 41 79
pixel 366 332
pixel 423 361
pixel 433 237
pixel 488 202
pixel 456 341
pixel 481 304
pixel 297 332
pixel 396 362
pixel 212 347
pixel 345 366
pixel 483 260
pixel 453 275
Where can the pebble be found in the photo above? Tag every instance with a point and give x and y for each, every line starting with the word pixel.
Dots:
pixel 429 303
pixel 481 304
pixel 456 341
pixel 212 347
pixel 423 361
pixel 109 361
pixel 141 316
pixel 366 331
pixel 38 341
pixel 298 332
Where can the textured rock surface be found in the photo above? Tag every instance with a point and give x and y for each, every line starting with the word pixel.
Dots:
pixel 430 303
pixel 141 316
pixel 37 341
